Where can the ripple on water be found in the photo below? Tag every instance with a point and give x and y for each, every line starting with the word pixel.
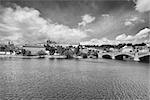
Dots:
pixel 72 80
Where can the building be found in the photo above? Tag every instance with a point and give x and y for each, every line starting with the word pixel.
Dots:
pixel 7 49
pixel 141 47
pixel 127 49
pixel 34 49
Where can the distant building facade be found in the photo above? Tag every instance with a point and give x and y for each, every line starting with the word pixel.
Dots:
pixel 33 49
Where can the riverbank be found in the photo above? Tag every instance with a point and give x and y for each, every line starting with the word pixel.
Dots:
pixel 146 60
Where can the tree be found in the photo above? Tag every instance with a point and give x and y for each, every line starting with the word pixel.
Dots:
pixel 41 53
pixel 28 53
pixel 77 50
pixel 60 50
pixel 68 54
pixel 23 51
pixel 51 50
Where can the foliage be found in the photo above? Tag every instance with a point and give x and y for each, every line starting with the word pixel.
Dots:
pixel 68 53
pixel 40 53
pixel 26 52
pixel 60 50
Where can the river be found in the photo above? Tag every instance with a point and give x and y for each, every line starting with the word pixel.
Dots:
pixel 85 79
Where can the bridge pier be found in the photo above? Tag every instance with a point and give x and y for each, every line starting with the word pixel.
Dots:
pixel 136 57
pixel 99 55
pixel 113 57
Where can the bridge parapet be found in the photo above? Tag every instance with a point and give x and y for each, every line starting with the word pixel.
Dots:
pixel 143 54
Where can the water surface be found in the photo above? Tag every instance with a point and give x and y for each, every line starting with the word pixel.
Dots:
pixel 89 79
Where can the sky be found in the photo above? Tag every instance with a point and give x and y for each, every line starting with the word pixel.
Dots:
pixel 73 21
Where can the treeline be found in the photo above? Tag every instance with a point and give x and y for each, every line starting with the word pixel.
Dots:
pixel 7 48
pixel 119 46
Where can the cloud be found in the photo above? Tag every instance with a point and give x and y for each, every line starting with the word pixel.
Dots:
pixel 86 19
pixel 121 37
pixel 128 23
pixel 143 5
pixel 112 25
pixel 105 15
pixel 133 20
pixel 145 31
pixel 7 27
pixel 26 24
pixel 141 36
pixel 102 41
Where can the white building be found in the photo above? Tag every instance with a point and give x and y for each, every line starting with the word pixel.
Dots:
pixel 127 49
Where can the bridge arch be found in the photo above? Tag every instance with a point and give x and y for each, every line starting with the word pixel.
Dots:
pixel 123 57
pixel 107 56
pixel 145 58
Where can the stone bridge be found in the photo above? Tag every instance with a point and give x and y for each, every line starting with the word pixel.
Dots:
pixel 124 55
